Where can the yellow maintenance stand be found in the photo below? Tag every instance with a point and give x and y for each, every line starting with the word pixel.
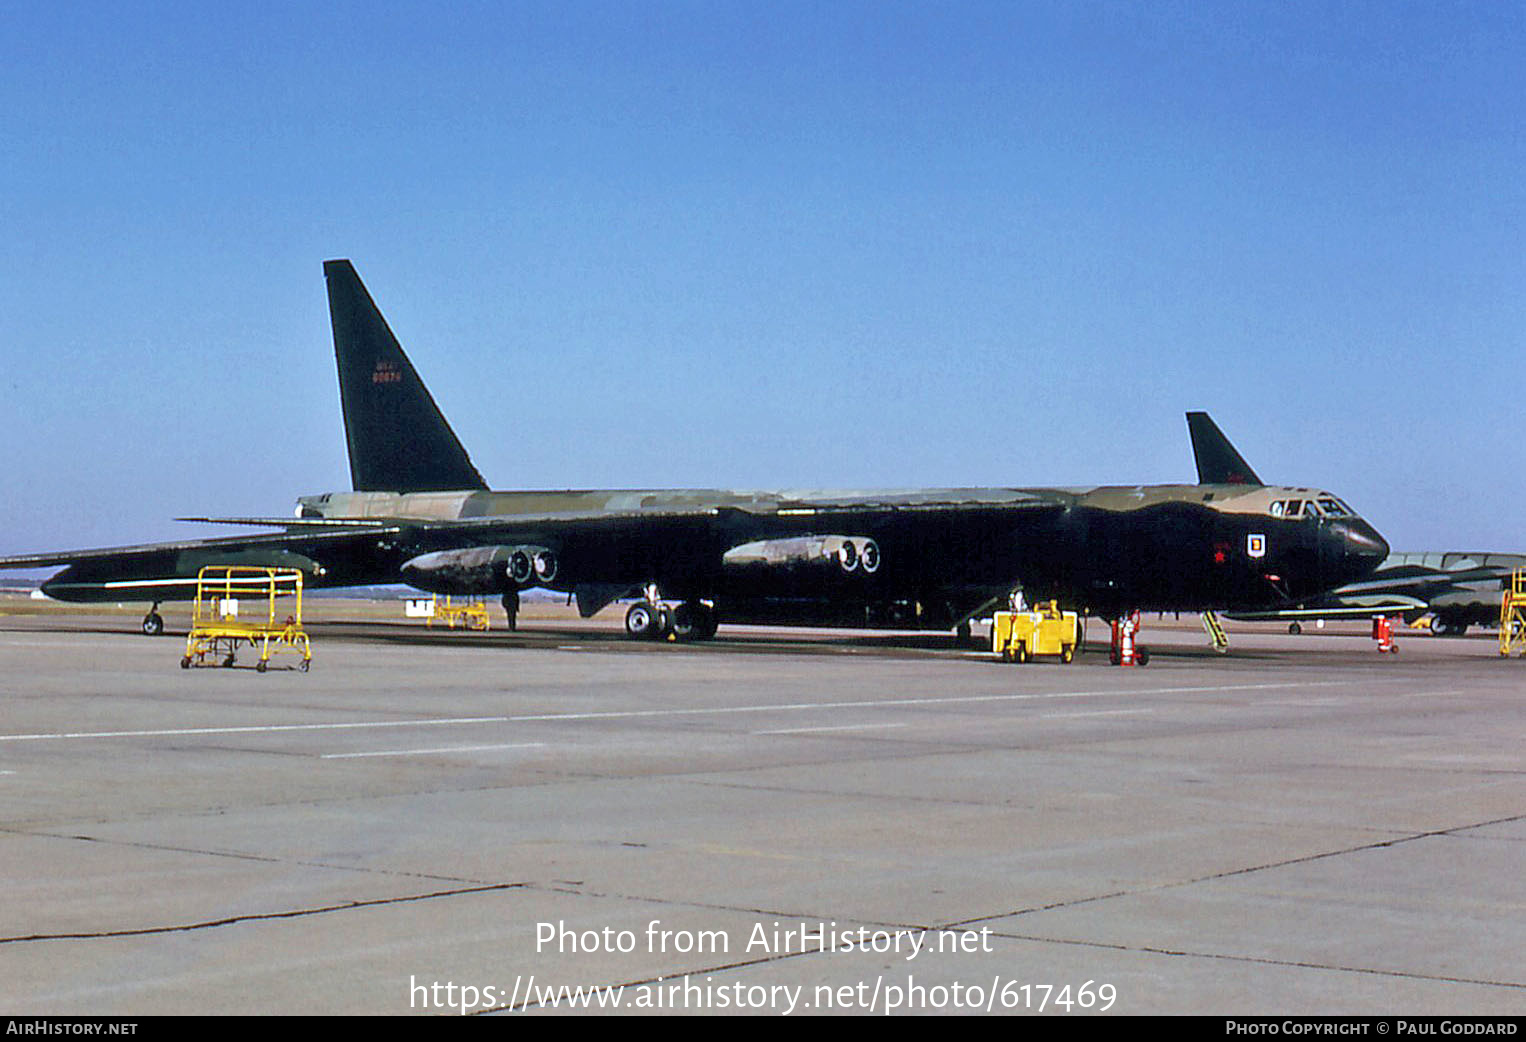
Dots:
pixel 1513 614
pixel 1017 636
pixel 470 615
pixel 217 628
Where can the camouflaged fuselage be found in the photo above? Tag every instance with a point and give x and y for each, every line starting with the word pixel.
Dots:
pixel 945 552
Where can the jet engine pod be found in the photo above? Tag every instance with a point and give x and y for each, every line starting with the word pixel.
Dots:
pixel 521 566
pixel 529 565
pixel 854 553
pixel 480 569
pixel 544 562
pixel 471 570
pixel 842 553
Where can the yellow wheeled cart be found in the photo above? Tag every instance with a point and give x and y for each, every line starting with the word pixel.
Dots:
pixel 471 615
pixel 1513 614
pixel 217 628
pixel 1017 636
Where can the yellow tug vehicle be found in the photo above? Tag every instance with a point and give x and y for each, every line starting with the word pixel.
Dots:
pixel 1018 636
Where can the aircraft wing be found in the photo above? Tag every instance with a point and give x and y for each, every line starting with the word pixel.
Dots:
pixel 282 540
pixel 1353 609
pixel 1420 581
pixel 153 572
pixel 596 545
pixel 1403 589
pixel 583 521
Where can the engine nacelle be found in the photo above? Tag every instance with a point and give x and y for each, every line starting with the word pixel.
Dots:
pixel 844 553
pixel 480 569
pixel 544 563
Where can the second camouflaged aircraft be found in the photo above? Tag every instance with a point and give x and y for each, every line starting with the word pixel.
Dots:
pixel 929 559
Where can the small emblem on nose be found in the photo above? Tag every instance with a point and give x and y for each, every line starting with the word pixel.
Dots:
pixel 1255 545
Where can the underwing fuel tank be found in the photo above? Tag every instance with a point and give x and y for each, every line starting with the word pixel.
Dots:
pixel 840 553
pixel 481 569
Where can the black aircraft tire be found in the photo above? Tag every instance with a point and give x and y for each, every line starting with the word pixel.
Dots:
pixel 1294 628
pixel 1142 656
pixel 693 620
pixel 688 622
pixel 153 624
pixel 642 621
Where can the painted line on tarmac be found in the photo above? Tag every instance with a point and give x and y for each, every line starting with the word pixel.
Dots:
pixel 891 703
pixel 1099 712
pixel 262 729
pixel 430 752
pixel 840 727
pixel 643 714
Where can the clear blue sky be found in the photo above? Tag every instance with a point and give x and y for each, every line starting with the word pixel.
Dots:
pixel 766 245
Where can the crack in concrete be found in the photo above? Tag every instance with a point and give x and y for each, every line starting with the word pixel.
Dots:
pixel 259 916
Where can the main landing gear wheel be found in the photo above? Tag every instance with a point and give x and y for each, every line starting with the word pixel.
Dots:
pixel 153 624
pixel 644 621
pixel 1294 628
pixel 694 620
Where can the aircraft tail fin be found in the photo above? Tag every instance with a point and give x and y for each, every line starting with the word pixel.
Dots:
pixel 398 439
pixel 1218 463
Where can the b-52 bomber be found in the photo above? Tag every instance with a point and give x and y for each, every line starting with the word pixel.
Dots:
pixel 1456 589
pixel 928 559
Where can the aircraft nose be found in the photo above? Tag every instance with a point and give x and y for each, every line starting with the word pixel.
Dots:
pixel 1361 546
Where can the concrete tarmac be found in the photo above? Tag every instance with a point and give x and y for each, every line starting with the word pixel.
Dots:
pixel 435 822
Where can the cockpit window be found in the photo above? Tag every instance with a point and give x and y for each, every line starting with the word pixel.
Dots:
pixel 1325 506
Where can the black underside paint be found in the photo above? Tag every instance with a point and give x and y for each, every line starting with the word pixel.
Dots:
pixel 935 569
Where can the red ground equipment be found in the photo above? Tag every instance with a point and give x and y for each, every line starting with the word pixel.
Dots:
pixel 1383 633
pixel 1126 650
